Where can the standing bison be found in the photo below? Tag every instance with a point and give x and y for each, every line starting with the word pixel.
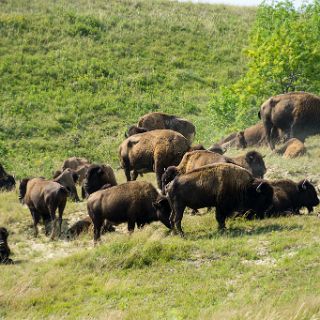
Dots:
pixel 225 186
pixel 135 202
pixel 43 198
pixel 159 120
pixel 297 114
pixel 79 165
pixel 68 178
pixel 152 151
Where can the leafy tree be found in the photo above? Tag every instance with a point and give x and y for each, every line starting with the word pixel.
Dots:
pixel 283 55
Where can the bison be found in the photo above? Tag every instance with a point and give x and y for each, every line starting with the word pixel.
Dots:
pixel 252 161
pixel 225 186
pixel 97 177
pixel 297 114
pixel 152 151
pixel 293 148
pixel 43 198
pixel 7 181
pixel 291 196
pixel 79 165
pixel 4 248
pixel 68 178
pixel 134 202
pixel 159 120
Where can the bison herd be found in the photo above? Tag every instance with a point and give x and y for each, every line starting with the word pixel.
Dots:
pixel 187 175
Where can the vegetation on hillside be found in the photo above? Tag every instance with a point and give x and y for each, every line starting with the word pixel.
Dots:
pixel 283 55
pixel 75 74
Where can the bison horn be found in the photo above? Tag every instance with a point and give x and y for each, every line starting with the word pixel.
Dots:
pixel 259 187
pixel 304 187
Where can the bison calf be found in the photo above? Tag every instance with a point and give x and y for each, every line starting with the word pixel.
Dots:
pixel 43 198
pixel 135 202
pixel 225 186
pixel 293 148
pixel 4 248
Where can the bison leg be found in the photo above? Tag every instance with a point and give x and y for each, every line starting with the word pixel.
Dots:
pixel 176 218
pixel 75 194
pixel 159 169
pixel 134 175
pixel 131 225
pixel 36 219
pixel 97 225
pixel 52 210
pixel 221 219
pixel 61 209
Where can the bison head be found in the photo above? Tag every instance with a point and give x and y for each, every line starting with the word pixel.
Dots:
pixel 163 210
pixel 134 130
pixel 307 195
pixel 259 196
pixel 169 174
pixel 23 189
pixel 241 142
pixel 256 164
pixel 4 234
pixel 217 149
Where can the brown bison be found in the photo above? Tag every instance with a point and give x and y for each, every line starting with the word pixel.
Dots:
pixel 159 120
pixel 252 161
pixel 68 178
pixel 225 186
pixel 135 202
pixel 297 114
pixel 4 248
pixel 152 151
pixel 97 177
pixel 7 181
pixel 292 149
pixel 43 198
pixel 79 165
pixel 291 196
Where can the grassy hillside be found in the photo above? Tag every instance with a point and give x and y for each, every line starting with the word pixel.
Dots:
pixel 75 74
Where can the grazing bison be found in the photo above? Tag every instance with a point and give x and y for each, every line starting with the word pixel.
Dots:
pixel 252 161
pixel 68 178
pixel 97 177
pixel 135 202
pixel 43 197
pixel 7 181
pixel 152 151
pixel 297 114
pixel 291 196
pixel 225 186
pixel 292 149
pixel 159 120
pixel 4 248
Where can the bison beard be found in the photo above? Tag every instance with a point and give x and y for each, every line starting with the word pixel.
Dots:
pixel 224 186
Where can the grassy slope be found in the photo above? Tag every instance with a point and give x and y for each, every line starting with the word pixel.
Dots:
pixel 84 84
pixel 74 74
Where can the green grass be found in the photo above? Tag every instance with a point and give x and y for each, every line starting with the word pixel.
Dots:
pixel 74 75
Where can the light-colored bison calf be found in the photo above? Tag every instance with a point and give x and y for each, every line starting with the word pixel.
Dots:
pixel 43 198
pixel 293 148
pixel 135 202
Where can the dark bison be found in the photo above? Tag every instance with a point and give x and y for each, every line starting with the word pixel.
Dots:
pixel 43 198
pixel 97 177
pixel 68 178
pixel 4 248
pixel 159 120
pixel 290 196
pixel 152 151
pixel 297 114
pixel 7 181
pixel 252 161
pixel 135 202
pixel 225 186
pixel 292 149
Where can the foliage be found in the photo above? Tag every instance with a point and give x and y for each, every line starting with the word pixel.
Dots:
pixel 283 55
